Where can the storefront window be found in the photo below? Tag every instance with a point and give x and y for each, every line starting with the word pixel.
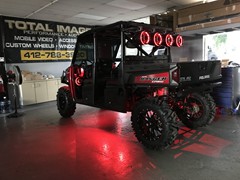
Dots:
pixel 222 46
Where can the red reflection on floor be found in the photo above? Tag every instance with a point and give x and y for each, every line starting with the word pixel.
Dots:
pixel 67 137
pixel 178 155
pixel 102 148
pixel 112 152
pixel 208 145
pixel 102 119
pixel 197 142
pixel 106 152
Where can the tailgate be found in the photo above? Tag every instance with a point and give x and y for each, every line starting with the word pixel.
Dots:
pixel 199 71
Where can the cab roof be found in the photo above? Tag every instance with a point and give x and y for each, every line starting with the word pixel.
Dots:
pixel 115 29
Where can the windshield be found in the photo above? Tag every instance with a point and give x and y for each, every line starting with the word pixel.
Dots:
pixel 84 53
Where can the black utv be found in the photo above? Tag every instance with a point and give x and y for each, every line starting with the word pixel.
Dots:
pixel 127 66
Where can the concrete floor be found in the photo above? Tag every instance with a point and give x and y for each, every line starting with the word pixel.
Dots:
pixel 98 144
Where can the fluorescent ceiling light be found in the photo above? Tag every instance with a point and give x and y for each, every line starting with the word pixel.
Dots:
pixel 89 16
pixel 40 9
pixel 126 4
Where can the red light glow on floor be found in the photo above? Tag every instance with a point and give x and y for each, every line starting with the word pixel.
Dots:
pixel 109 152
pixel 208 145
pixel 104 130
pixel 197 142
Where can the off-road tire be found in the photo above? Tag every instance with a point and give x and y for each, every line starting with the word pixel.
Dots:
pixel 199 119
pixel 163 122
pixel 212 107
pixel 65 103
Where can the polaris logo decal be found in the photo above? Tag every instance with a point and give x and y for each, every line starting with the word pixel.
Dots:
pixel 204 77
pixel 162 78
pixel 185 79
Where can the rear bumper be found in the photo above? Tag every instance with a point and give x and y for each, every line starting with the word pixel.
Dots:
pixel 201 88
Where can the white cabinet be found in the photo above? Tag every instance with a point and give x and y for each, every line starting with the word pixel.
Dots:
pixel 28 93
pixel 40 91
pixel 52 88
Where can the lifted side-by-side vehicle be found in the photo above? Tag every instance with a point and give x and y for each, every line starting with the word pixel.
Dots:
pixel 126 67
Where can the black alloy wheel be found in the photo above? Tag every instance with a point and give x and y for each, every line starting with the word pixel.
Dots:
pixel 195 111
pixel 154 124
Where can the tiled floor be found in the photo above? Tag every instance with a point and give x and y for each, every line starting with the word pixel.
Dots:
pixel 98 144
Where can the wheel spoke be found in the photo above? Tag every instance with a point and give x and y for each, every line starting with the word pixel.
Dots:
pixel 151 124
pixel 149 114
pixel 193 108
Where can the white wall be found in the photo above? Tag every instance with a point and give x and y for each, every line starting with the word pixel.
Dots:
pixel 54 68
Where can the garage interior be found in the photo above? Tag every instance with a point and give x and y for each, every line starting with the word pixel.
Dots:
pixel 100 144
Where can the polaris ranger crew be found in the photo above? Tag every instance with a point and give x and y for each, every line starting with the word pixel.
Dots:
pixel 127 67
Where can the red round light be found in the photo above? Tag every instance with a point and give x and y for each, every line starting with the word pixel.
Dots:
pixel 78 81
pixel 169 40
pixel 157 39
pixel 144 37
pixel 179 41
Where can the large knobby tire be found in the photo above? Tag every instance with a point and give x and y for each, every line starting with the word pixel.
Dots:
pixel 65 103
pixel 212 108
pixel 196 111
pixel 154 124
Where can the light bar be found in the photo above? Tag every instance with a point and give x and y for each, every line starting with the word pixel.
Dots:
pixel 158 39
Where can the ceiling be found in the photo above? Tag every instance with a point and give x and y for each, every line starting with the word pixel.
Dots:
pixel 88 12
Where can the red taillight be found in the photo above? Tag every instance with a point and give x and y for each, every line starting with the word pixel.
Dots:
pixel 169 40
pixel 178 41
pixel 162 91
pixel 144 37
pixel 157 39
